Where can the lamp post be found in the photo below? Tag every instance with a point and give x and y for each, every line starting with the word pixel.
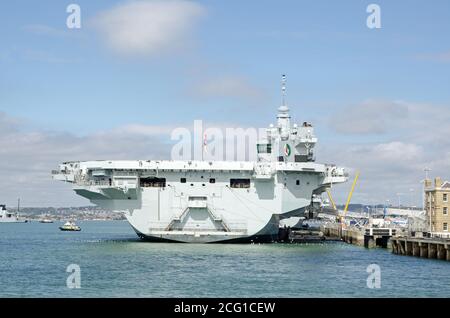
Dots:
pixel 411 191
pixel 423 197
pixel 398 196
pixel 386 207
pixel 423 192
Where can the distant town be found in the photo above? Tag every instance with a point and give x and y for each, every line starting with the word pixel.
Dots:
pixel 94 213
pixel 85 213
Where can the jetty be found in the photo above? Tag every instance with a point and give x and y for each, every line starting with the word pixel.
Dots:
pixel 434 248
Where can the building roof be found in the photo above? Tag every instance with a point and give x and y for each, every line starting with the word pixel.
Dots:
pixel 446 185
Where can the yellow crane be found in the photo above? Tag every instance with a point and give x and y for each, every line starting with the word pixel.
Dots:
pixel 350 196
pixel 331 199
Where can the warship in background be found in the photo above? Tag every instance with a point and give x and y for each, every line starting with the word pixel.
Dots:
pixel 212 201
pixel 10 217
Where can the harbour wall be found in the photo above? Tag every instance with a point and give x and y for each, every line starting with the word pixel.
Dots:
pixel 367 237
pixel 432 248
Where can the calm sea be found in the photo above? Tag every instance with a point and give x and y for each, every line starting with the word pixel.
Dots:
pixel 114 263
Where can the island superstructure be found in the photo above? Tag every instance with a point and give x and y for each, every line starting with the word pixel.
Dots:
pixel 212 201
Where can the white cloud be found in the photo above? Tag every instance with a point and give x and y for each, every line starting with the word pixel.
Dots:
pixel 7 124
pixel 148 27
pixel 146 130
pixel 397 151
pixel 47 57
pixel 27 157
pixel 389 166
pixel 227 87
pixel 369 117
pixel 385 169
pixel 415 136
pixel 41 29
pixel 443 57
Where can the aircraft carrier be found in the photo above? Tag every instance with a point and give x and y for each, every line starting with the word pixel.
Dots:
pixel 212 201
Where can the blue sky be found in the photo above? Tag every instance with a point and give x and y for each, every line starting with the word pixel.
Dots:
pixel 223 63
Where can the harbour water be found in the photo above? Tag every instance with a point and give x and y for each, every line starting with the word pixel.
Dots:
pixel 115 263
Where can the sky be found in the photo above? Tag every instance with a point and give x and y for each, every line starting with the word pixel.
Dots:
pixel 116 87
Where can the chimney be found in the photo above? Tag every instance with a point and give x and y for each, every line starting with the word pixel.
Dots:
pixel 437 182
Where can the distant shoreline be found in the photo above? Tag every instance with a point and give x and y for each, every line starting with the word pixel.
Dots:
pixel 85 213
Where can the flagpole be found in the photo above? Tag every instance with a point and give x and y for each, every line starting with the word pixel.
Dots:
pixel 203 145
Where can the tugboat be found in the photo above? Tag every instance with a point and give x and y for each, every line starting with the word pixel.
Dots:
pixel 70 226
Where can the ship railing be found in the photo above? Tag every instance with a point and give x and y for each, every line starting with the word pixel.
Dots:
pixel 93 183
pixel 126 174
pixel 56 172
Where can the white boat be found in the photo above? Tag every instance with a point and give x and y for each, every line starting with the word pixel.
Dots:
pixel 45 218
pixel 10 217
pixel 45 221
pixel 70 226
pixel 211 201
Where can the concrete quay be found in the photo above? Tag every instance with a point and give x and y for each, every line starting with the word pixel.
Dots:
pixel 367 237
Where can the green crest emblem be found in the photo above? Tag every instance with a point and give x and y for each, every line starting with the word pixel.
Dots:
pixel 287 150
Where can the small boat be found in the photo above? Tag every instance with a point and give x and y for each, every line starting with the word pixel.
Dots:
pixel 70 226
pixel 45 218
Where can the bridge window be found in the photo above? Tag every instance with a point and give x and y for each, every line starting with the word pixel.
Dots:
pixel 212 180
pixel 152 182
pixel 301 158
pixel 297 182
pixel 183 180
pixel 240 183
pixel 264 148
pixel 194 198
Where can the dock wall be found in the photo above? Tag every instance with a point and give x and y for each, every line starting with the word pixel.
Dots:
pixel 369 238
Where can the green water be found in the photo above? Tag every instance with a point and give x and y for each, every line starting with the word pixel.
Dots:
pixel 114 263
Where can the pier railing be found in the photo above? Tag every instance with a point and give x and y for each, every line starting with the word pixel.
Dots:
pixel 440 235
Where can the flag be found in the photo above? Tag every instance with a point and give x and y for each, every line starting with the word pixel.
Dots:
pixel 205 143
